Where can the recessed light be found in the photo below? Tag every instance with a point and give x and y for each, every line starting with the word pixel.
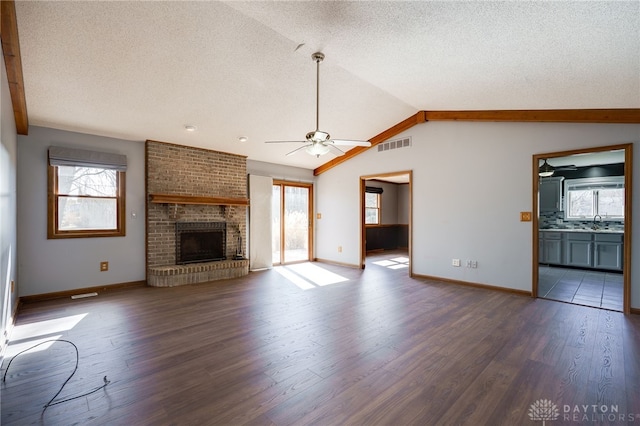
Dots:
pixel 190 128
pixel 243 138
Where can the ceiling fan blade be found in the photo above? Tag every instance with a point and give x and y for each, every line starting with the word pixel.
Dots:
pixel 337 151
pixel 567 167
pixel 346 142
pixel 286 141
pixel 297 149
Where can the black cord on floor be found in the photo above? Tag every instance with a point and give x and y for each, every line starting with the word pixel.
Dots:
pixel 52 400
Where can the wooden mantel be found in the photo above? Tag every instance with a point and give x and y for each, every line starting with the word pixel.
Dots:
pixel 196 199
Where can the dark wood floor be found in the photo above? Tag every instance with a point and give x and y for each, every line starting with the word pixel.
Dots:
pixel 378 348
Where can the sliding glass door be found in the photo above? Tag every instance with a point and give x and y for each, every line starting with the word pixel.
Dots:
pixel 292 206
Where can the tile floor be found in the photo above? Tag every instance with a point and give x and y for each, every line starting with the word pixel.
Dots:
pixel 582 287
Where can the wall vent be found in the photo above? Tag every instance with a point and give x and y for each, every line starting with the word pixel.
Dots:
pixel 395 144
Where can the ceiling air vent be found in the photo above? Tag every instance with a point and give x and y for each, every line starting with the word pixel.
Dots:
pixel 395 144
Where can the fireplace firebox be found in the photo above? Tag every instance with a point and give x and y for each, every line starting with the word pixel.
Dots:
pixel 200 242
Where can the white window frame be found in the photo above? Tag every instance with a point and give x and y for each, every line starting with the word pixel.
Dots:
pixel 595 185
pixel 378 208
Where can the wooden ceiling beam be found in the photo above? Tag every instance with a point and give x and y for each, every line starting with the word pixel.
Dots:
pixel 615 116
pixel 13 64
pixel 620 116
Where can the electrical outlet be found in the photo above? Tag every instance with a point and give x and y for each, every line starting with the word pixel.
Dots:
pixel 318 215
pixel 525 216
pixel 339 249
pixel 455 262
pixel 104 266
pixel 468 264
pixel 474 263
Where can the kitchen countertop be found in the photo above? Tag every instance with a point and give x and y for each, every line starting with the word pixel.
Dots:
pixel 594 231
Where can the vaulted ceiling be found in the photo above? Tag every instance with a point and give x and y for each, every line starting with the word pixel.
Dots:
pixel 143 70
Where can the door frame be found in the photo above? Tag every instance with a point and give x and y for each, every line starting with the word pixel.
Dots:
pixel 309 186
pixel 628 187
pixel 363 233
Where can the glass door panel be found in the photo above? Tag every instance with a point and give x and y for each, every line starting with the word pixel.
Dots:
pixel 291 231
pixel 296 223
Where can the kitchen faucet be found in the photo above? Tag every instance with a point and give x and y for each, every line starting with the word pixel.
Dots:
pixel 595 225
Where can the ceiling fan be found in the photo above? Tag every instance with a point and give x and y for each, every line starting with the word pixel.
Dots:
pixel 319 142
pixel 546 169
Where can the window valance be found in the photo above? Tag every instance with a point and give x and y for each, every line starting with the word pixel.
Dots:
pixel 373 190
pixel 61 156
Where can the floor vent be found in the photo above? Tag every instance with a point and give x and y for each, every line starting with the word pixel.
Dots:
pixel 395 144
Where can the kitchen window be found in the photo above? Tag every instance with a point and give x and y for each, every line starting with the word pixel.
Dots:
pixel 590 197
pixel 86 194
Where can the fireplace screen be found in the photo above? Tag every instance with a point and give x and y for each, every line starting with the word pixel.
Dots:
pixel 200 241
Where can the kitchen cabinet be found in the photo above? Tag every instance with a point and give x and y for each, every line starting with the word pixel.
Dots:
pixel 578 249
pixel 599 250
pixel 550 250
pixel 607 251
pixel 550 193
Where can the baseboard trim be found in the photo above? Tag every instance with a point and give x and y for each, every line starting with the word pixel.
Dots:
pixel 476 285
pixel 69 293
pixel 333 262
pixel 635 311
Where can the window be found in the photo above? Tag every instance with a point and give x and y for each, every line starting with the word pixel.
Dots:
pixel 86 199
pixel 371 208
pixel 586 198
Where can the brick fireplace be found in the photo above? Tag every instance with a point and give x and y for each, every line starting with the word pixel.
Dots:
pixel 192 189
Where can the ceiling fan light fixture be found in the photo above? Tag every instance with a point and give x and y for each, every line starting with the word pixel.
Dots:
pixel 318 136
pixel 546 169
pixel 317 149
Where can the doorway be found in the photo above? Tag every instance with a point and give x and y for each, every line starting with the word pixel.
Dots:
pixel 386 219
pixel 581 232
pixel 292 229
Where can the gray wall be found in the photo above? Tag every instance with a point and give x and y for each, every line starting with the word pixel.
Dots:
pixel 8 235
pixel 47 266
pixel 473 212
pixel 389 202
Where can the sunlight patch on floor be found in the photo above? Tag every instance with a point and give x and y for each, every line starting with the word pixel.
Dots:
pixel 398 266
pixel 24 336
pixel 307 275
pixel 384 263
pixel 395 263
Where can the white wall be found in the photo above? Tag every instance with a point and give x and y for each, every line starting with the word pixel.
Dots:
pixel 466 204
pixel 47 266
pixel 8 234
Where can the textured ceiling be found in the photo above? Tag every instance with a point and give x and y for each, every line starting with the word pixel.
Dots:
pixel 142 70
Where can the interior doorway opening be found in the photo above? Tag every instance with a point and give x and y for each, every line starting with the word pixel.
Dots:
pixel 581 232
pixel 386 219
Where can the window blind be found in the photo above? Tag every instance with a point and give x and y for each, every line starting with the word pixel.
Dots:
pixel 373 190
pixel 61 156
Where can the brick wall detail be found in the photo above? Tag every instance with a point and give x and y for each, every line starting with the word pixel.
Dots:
pixel 180 170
